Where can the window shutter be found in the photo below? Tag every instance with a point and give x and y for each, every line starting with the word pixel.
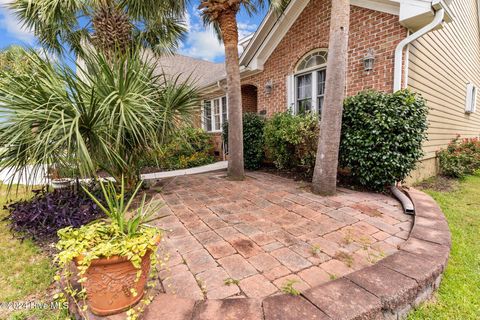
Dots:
pixel 290 92
pixel 471 98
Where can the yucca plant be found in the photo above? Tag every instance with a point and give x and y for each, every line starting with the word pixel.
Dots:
pixel 102 116
pixel 13 60
pixel 117 207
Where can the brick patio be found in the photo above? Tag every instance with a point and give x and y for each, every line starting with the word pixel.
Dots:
pixel 252 238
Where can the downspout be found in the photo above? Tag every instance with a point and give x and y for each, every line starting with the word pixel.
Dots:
pixel 407 204
pixel 437 20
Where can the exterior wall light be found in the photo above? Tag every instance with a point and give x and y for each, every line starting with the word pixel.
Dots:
pixel 269 87
pixel 369 60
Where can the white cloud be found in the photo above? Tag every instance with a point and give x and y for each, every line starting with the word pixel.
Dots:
pixel 12 26
pixel 202 42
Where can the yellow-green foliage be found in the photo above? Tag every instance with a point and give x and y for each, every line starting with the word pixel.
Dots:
pixel 104 239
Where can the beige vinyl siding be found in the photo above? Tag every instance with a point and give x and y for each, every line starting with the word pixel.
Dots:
pixel 441 65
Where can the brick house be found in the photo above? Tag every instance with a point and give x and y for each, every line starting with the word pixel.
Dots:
pixel 430 46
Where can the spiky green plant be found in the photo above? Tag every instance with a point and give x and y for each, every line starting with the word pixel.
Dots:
pixel 13 60
pixel 117 209
pixel 101 116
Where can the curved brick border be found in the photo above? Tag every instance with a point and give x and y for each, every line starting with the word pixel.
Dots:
pixel 387 290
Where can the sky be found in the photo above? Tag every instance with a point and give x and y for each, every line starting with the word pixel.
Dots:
pixel 200 42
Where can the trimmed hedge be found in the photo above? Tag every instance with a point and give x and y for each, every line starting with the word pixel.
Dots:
pixel 382 136
pixel 253 140
pixel 291 140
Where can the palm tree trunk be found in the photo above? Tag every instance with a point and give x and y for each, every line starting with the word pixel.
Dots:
pixel 325 174
pixel 227 22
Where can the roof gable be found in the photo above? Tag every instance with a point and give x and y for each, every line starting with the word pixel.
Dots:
pixel 412 14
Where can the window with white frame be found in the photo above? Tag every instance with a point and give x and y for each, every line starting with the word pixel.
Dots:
pixel 310 76
pixel 471 98
pixel 214 114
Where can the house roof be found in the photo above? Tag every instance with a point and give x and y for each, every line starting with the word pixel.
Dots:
pixel 200 72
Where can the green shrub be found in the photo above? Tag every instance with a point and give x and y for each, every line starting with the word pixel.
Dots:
pixel 382 136
pixel 253 141
pixel 190 147
pixel 291 140
pixel 460 158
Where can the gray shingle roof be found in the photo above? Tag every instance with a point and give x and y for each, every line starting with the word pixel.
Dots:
pixel 201 72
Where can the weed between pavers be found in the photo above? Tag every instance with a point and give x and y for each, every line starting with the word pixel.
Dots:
pixel 316 250
pixel 345 258
pixel 230 281
pixel 288 287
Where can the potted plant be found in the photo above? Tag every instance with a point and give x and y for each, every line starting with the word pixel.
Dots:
pixel 61 177
pixel 113 256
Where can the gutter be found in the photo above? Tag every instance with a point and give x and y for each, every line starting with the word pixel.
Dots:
pixel 437 20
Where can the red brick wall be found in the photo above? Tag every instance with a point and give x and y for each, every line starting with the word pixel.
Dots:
pixel 249 98
pixel 368 29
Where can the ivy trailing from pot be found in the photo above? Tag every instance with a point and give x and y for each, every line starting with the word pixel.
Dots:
pixel 114 257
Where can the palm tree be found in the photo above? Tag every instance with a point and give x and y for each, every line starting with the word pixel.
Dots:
pixel 325 174
pixel 100 120
pixel 109 25
pixel 222 14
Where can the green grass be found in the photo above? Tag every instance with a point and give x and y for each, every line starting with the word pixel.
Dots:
pixel 459 293
pixel 25 272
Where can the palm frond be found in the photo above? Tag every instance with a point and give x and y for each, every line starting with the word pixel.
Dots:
pixel 102 115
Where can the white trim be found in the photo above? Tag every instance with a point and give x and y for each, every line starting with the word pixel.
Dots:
pixel 406 70
pixel 256 35
pixel 280 28
pixel 222 165
pixel 290 93
pixel 385 6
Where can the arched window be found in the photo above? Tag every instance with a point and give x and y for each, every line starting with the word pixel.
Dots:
pixel 310 75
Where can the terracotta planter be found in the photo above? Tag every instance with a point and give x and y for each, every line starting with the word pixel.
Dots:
pixel 109 282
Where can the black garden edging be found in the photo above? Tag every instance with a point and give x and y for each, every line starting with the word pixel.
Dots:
pixel 387 290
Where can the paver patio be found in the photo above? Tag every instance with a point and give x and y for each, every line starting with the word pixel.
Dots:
pixel 251 238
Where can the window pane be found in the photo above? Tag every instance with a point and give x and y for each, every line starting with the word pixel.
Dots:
pixel 224 110
pixel 207 115
pixel 216 114
pixel 304 106
pixel 321 82
pixel 321 77
pixel 320 104
pixel 304 86
pixel 315 59
pixel 304 93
